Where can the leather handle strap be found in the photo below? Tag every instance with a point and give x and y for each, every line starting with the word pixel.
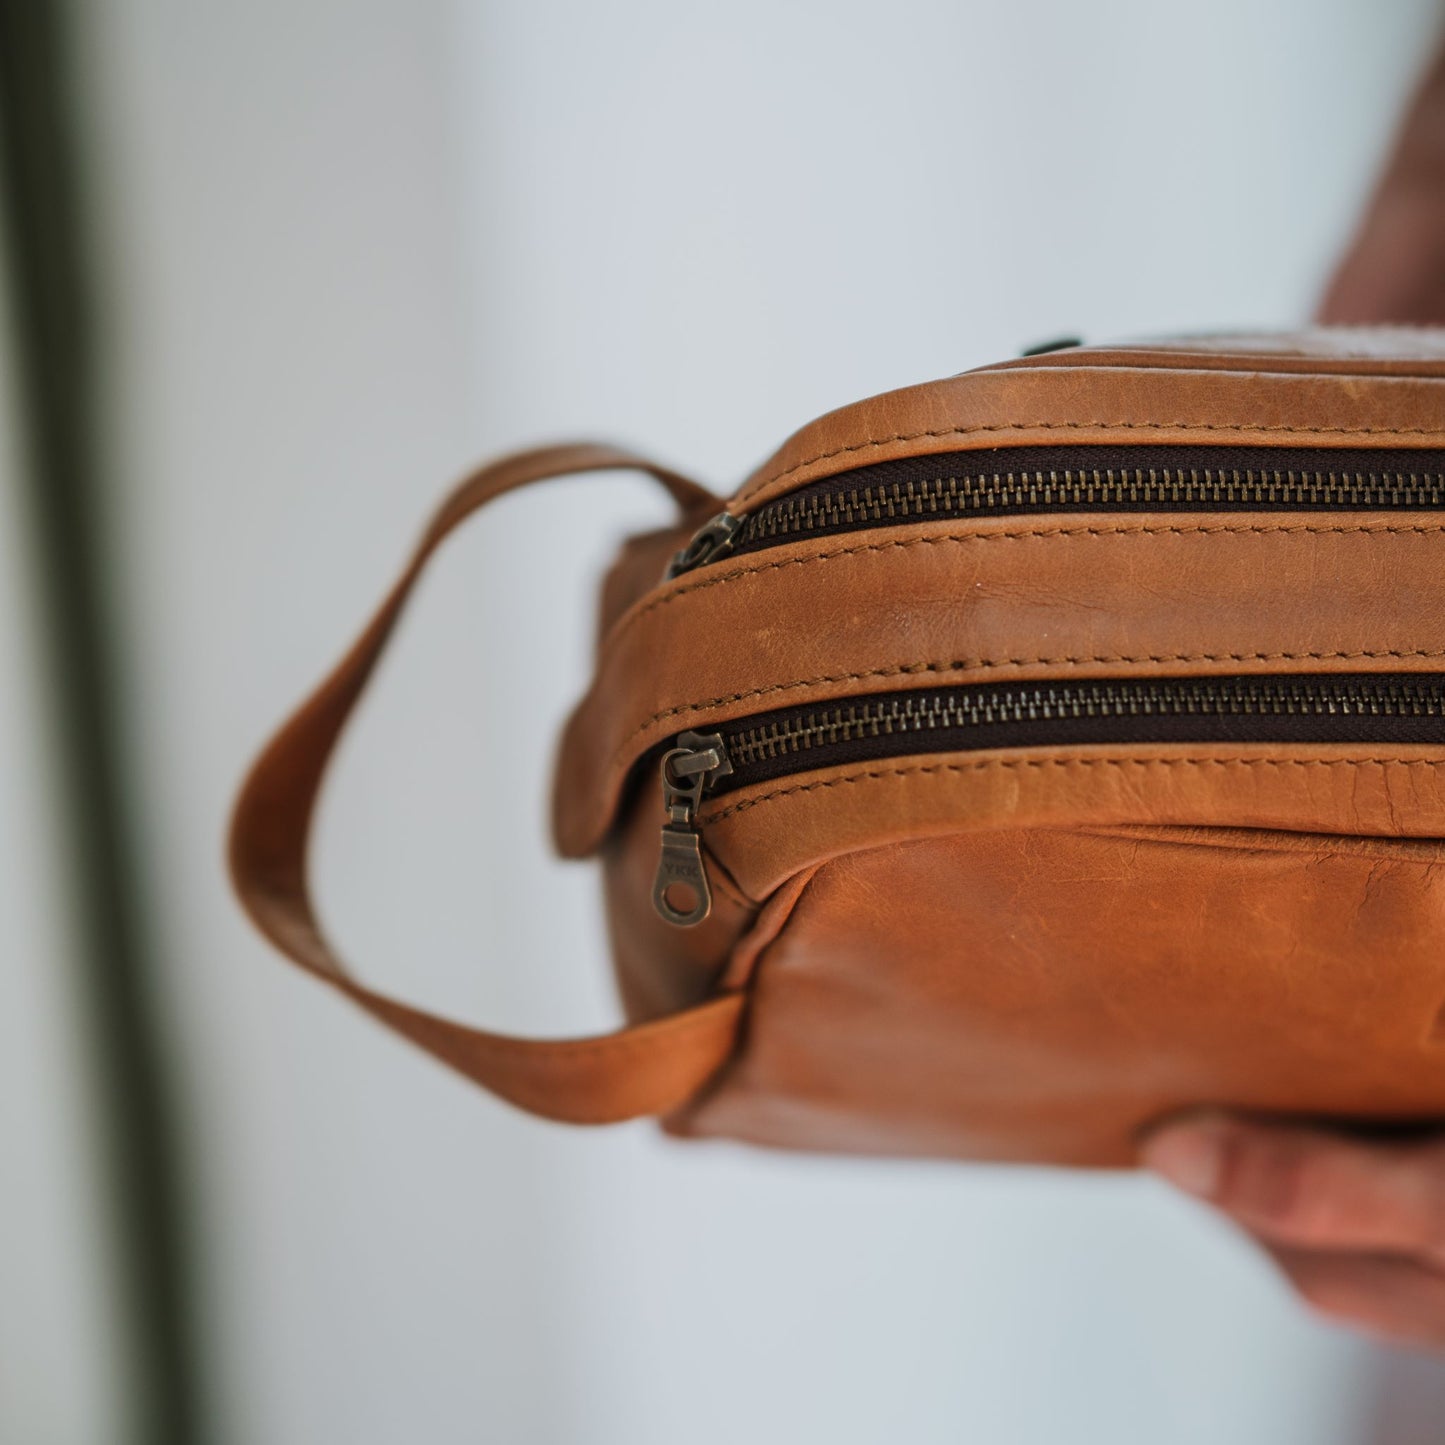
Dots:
pixel 648 1069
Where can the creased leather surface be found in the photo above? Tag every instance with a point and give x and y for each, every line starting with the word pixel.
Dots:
pixel 1040 995
pixel 1030 954
pixel 765 834
pixel 1345 386
pixel 999 599
pixel 1050 405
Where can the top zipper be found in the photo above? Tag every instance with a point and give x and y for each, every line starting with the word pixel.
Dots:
pixel 1031 480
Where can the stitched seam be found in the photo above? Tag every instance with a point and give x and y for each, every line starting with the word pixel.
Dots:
pixel 746 984
pixel 960 431
pixel 875 774
pixel 1036 532
pixel 913 669
pixel 690 1110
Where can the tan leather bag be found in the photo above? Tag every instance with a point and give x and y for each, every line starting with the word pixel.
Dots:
pixel 1015 759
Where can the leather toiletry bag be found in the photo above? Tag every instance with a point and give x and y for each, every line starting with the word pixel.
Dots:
pixel 1012 761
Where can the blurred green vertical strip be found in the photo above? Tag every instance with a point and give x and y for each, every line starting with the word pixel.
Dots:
pixel 52 303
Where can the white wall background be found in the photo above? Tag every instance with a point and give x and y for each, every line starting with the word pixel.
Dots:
pixel 352 245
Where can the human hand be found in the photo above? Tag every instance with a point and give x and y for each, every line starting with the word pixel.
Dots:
pixel 1394 269
pixel 1357 1226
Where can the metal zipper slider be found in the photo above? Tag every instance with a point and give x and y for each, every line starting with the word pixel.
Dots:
pixel 712 540
pixel 680 892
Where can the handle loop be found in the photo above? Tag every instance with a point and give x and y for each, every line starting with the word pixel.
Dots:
pixel 651 1068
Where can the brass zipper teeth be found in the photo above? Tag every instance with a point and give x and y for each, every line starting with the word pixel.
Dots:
pixel 1201 487
pixel 1353 708
pixel 963 708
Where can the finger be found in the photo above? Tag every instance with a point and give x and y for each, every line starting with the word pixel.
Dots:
pixel 1309 1187
pixel 1395 1299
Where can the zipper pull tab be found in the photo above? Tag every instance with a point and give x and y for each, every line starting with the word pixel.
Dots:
pixel 686 771
pixel 712 540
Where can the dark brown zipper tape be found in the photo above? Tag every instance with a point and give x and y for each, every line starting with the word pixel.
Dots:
pixel 1022 481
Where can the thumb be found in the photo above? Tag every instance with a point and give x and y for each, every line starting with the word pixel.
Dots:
pixel 1308 1186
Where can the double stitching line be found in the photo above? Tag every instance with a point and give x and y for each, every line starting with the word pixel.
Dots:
pixel 1028 533
pixel 1023 534
pixel 885 774
pixel 1004 427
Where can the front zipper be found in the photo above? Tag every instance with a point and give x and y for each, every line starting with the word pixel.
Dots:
pixel 1030 480
pixel 1385 708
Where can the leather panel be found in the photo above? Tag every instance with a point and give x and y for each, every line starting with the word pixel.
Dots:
pixel 1050 404
pixel 766 834
pixel 997 599
pixel 1041 995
